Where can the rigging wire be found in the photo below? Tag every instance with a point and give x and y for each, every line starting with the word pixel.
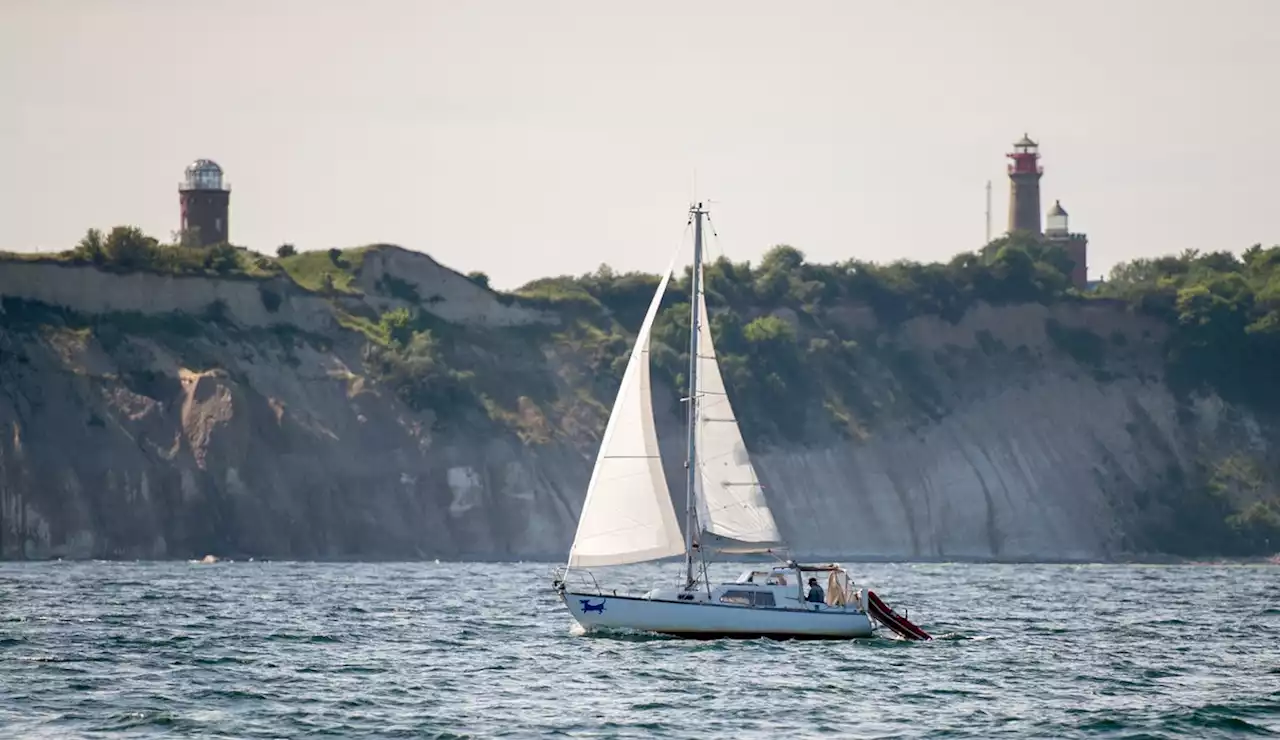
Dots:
pixel 715 236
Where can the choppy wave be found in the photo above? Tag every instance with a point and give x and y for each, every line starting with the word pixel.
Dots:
pixel 252 650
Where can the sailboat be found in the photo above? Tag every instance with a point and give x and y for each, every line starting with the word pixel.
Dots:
pixel 628 517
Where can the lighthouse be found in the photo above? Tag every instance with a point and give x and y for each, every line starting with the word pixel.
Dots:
pixel 205 200
pixel 1024 211
pixel 1024 186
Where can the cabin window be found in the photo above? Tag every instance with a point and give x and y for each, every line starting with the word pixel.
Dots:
pixel 748 598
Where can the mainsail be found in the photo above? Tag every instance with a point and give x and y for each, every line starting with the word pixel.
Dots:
pixel 627 516
pixel 731 503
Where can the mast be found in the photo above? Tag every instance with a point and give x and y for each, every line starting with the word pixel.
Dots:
pixel 691 459
pixel 988 236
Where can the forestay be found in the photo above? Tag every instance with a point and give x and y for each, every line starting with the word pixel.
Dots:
pixel 731 503
pixel 627 516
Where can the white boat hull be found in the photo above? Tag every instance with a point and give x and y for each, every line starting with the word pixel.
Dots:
pixel 708 621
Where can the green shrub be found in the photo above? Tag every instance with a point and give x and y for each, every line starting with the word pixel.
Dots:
pixel 91 248
pixel 222 258
pixel 397 326
pixel 127 246
pixel 560 293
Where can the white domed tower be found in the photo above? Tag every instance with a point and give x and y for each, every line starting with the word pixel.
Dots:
pixel 206 200
pixel 1076 245
pixel 1055 222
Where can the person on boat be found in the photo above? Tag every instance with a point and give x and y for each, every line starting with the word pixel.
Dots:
pixel 816 594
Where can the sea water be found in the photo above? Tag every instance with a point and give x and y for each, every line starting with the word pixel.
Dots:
pixel 249 650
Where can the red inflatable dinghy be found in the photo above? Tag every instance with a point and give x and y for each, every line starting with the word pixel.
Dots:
pixel 881 612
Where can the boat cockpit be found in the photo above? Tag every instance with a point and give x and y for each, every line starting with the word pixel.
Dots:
pixel 782 586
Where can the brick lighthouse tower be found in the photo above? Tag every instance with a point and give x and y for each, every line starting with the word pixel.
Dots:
pixel 1024 186
pixel 205 200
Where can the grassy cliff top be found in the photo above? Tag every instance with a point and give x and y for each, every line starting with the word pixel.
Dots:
pixel 128 249
pixel 325 270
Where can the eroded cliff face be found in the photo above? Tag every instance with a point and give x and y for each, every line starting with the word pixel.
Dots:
pixel 1035 471
pixel 259 449
pixel 125 435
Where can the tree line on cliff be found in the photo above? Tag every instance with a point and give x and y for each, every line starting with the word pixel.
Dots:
pixel 1223 310
pixel 128 248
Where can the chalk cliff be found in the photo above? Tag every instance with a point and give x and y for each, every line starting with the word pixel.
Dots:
pixel 152 416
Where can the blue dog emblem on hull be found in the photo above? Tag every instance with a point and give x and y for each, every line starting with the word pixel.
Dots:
pixel 588 607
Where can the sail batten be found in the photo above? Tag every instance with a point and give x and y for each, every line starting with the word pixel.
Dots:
pixel 731 502
pixel 627 516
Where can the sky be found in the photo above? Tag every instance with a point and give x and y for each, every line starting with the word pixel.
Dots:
pixel 527 139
